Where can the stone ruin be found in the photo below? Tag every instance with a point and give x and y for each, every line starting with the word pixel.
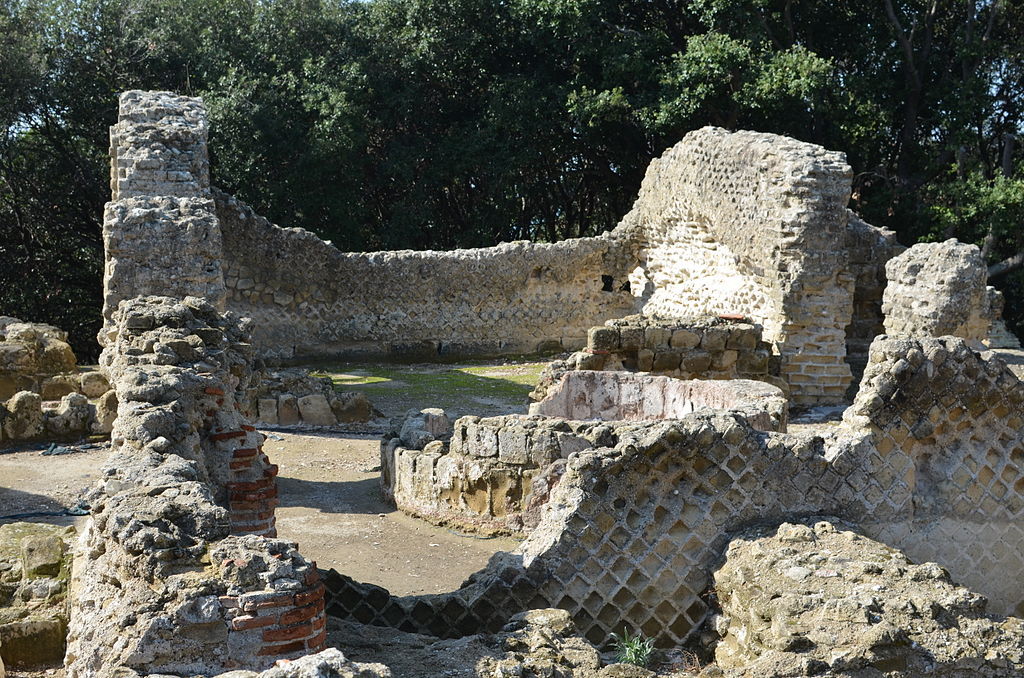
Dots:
pixel 43 394
pixel 655 461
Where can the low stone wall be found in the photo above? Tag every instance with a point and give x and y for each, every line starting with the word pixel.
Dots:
pixel 926 461
pixel 489 475
pixel 687 348
pixel 293 397
pixel 179 530
pixel 623 396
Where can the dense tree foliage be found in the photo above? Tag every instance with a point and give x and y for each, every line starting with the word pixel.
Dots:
pixel 445 123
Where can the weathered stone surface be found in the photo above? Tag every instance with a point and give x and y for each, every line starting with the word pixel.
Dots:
pixel 35 563
pixel 25 416
pixel 287 410
pixel 624 396
pixel 937 289
pixel 178 558
pixel 341 407
pixel 94 384
pixel 353 407
pixel 41 556
pixel 315 410
pixel 106 412
pixel 74 417
pixel 817 595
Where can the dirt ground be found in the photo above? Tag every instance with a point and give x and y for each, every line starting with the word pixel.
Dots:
pixel 331 505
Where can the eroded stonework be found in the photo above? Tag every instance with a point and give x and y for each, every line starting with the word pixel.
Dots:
pixel 733 223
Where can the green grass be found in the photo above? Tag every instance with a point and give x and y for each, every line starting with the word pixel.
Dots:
pixel 479 388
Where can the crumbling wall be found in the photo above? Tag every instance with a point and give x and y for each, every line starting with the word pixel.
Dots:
pixel 725 223
pixel 870 248
pixel 160 229
pixel 928 460
pixel 309 299
pixel 177 572
pixel 938 289
pixel 754 224
pixel 828 601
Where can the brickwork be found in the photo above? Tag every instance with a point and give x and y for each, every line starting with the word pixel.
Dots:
pixel 181 529
pixel 870 249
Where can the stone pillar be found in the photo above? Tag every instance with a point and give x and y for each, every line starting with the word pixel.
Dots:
pixel 161 235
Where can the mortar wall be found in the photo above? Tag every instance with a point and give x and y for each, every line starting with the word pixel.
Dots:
pixel 309 299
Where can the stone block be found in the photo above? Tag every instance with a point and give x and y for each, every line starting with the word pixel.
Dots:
pixel 631 338
pixel 684 339
pixel 512 446
pixel 696 362
pixel 714 339
pixel 266 409
pixel 287 410
pixel 25 416
pixel 603 338
pixel 94 384
pixel 666 361
pixel 352 407
pixel 106 412
pixel 743 337
pixel 32 642
pixel 656 338
pixel 58 386
pixel 315 410
pixel 645 360
pixel 41 556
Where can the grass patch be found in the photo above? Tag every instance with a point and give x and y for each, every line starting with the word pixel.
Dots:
pixel 478 388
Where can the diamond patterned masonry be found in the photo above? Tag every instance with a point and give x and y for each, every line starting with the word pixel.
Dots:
pixel 929 460
pixel 739 223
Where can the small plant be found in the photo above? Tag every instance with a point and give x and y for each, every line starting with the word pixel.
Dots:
pixel 633 649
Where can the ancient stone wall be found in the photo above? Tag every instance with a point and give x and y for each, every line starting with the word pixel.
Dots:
pixel 928 460
pixel 869 248
pixel 309 299
pixel 938 289
pixel 725 223
pixel 753 224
